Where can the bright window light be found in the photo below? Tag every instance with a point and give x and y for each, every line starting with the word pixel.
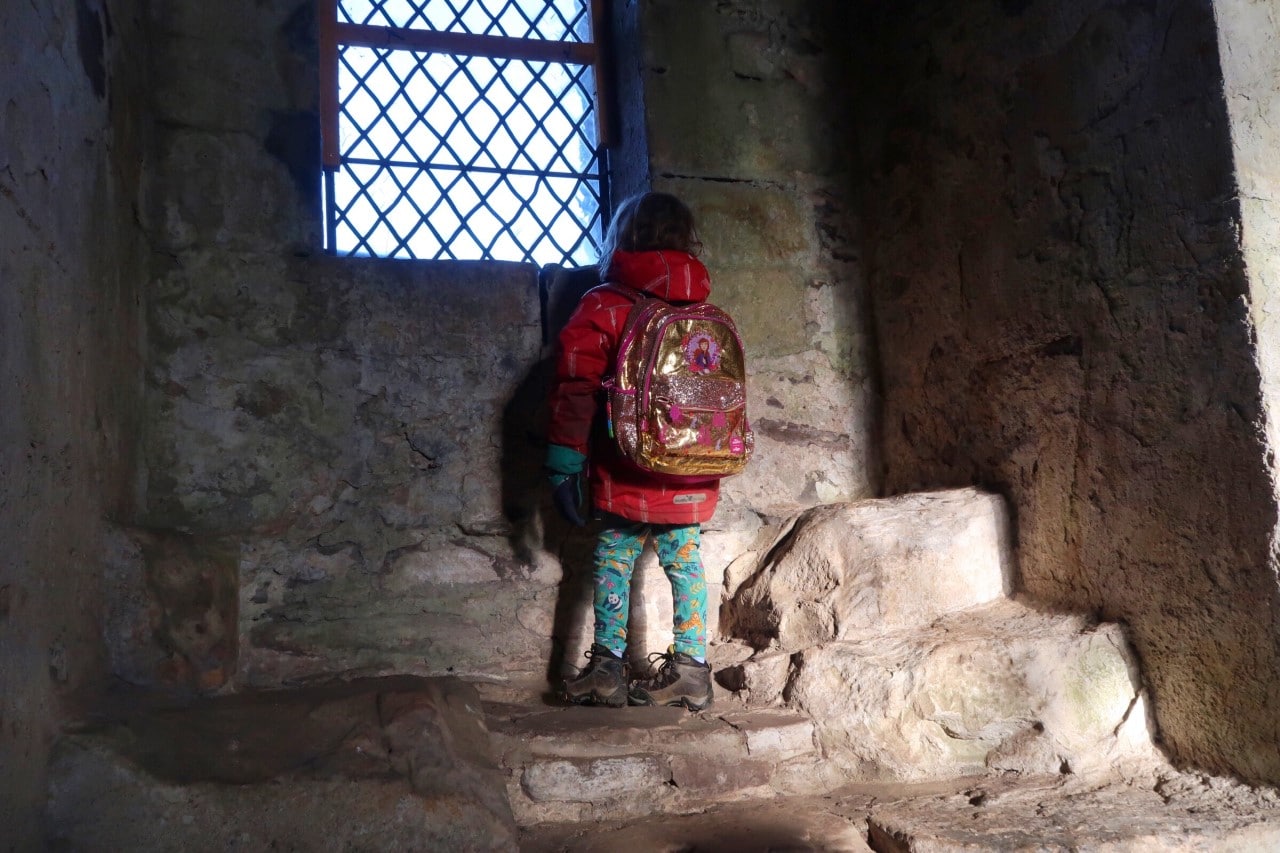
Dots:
pixel 461 129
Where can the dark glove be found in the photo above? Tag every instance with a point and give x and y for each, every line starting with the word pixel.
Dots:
pixel 567 495
pixel 565 466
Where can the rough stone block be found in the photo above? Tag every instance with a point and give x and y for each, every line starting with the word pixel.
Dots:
pixel 847 569
pixel 751 227
pixel 763 302
pixel 759 681
pixel 714 777
pixel 441 564
pixel 592 781
pixel 559 760
pixel 808 774
pixel 813 437
pixel 225 190
pixel 754 126
pixel 586 733
pixel 755 825
pixel 776 735
pixel 171 610
pixel 970 691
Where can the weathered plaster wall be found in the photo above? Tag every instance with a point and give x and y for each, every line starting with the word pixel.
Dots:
pixel 364 434
pixel 70 365
pixel 1063 312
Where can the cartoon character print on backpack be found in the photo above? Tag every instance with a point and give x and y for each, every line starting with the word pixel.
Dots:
pixel 702 354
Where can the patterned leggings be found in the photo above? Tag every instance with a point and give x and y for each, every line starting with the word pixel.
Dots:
pixel 617 548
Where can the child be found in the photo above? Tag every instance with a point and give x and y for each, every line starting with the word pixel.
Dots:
pixel 650 247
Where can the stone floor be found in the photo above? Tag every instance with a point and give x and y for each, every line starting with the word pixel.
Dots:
pixel 964 816
pixel 732 780
pixel 407 763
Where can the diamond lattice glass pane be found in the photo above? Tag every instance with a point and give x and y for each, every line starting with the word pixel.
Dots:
pixel 484 123
pixel 525 187
pixel 401 117
pixel 565 20
pixel 445 216
pixel 464 247
pixel 485 225
pixel 555 20
pixel 502 147
pixel 512 19
pixel 356 11
pixel 421 138
pixel 381 241
pixel 502 197
pixel 472 157
pixel 526 226
pixel 461 194
pixel 404 215
pixel 383 13
pixel 425 244
pixel 505 248
pixel 537 98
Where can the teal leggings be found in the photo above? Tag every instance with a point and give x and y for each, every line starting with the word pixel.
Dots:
pixel 617 548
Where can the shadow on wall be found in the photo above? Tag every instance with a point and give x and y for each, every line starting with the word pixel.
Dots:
pixel 524 495
pixel 1065 319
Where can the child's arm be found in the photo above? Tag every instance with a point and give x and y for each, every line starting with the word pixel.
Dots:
pixel 583 353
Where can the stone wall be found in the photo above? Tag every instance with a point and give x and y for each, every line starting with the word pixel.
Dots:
pixel 349 429
pixel 745 117
pixel 366 434
pixel 1246 37
pixel 70 362
pixel 1059 295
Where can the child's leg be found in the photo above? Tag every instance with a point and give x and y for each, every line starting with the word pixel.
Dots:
pixel 617 548
pixel 677 549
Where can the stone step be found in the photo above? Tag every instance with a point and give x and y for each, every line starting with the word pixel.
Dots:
pixel 585 764
pixel 380 764
pixel 1001 686
pixel 874 565
pixel 1170 813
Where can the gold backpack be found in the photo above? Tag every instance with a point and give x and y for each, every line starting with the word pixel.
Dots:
pixel 677 399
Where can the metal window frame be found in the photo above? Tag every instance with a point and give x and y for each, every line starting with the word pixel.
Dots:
pixel 335 35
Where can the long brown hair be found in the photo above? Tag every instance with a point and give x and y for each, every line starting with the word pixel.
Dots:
pixel 648 222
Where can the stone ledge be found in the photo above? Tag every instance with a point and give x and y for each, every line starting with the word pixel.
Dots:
pixel 397 763
pixel 572 764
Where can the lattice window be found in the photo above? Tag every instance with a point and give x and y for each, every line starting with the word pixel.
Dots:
pixel 462 129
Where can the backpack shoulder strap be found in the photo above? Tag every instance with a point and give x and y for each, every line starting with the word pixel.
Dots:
pixel 628 293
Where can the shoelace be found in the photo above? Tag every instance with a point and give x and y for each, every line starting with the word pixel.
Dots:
pixel 592 655
pixel 665 674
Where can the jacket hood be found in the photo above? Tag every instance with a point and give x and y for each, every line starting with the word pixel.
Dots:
pixel 671 275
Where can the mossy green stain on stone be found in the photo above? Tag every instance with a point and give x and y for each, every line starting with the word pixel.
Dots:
pixel 1098 687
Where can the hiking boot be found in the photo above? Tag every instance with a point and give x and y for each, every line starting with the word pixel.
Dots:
pixel 680 680
pixel 602 682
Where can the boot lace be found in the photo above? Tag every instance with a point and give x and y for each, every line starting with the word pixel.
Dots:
pixel 663 675
pixel 597 656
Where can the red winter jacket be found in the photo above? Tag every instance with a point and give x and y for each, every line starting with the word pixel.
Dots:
pixel 585 354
